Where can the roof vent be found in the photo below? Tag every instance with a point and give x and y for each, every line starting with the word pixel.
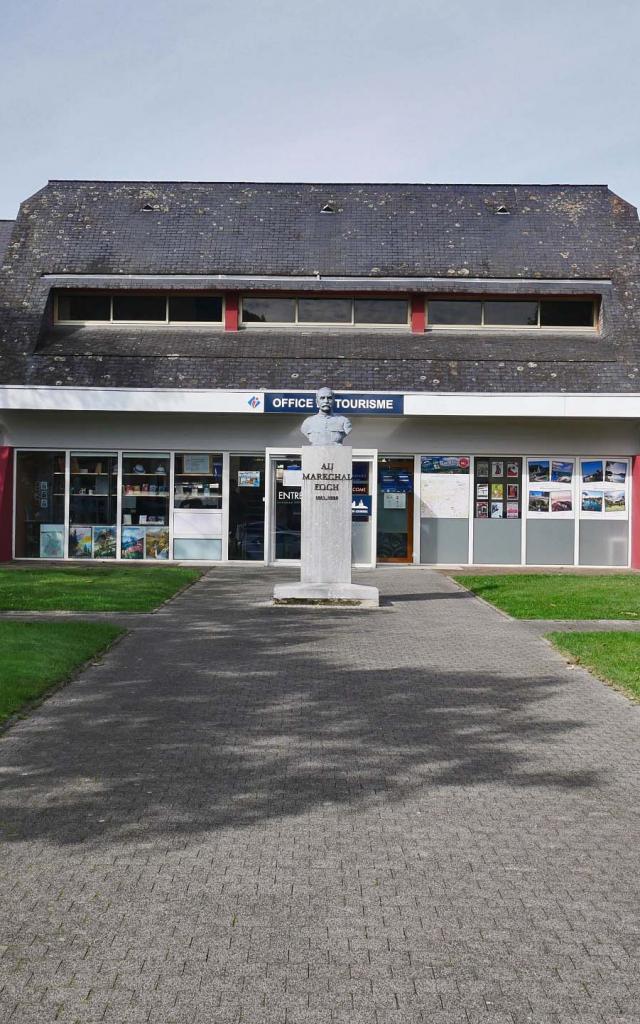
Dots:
pixel 503 210
pixel 328 208
pixel 148 208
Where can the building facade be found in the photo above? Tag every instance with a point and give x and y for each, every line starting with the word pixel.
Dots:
pixel 160 344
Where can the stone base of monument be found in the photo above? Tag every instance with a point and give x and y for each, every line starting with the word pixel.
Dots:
pixel 349 595
pixel 325 563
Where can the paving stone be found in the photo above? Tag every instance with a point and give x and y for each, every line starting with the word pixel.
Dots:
pixel 252 814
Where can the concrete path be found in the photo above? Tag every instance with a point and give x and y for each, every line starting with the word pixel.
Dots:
pixel 256 814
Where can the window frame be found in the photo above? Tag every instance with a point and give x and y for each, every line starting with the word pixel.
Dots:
pixel 324 324
pixel 145 323
pixel 596 305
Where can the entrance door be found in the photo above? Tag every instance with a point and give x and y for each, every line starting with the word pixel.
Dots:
pixel 395 510
pixel 286 487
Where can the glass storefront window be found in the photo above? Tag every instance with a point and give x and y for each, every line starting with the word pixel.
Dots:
pixel 198 481
pixel 246 508
pixel 145 505
pixel 40 484
pixel 287 488
pixel 93 486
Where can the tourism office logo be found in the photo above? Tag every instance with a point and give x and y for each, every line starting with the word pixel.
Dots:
pixel 254 402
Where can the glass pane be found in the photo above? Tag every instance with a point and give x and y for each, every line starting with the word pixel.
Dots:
pixel 139 307
pixel 84 307
pixel 511 314
pixel 195 309
pixel 381 311
pixel 454 311
pixel 395 510
pixel 198 480
pixel 40 481
pixel 287 488
pixel 268 311
pixel 246 508
pixel 92 505
pixel 559 313
pixel 324 311
pixel 145 505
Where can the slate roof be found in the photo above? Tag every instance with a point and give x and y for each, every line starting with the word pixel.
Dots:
pixel 6 227
pixel 449 234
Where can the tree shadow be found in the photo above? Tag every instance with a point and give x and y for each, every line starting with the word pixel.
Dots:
pixel 221 712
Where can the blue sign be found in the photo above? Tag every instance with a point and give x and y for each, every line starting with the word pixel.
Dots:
pixel 368 403
pixel 361 508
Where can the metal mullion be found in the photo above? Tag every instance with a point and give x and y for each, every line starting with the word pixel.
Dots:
pixel 67 501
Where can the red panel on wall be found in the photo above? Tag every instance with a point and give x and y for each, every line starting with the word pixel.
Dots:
pixel 417 314
pixel 635 513
pixel 231 311
pixel 6 502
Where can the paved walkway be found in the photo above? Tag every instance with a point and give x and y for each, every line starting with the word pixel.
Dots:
pixel 256 814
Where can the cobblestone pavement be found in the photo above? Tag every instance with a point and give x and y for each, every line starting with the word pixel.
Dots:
pixel 257 814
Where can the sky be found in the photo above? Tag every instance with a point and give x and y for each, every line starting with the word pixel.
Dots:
pixel 319 90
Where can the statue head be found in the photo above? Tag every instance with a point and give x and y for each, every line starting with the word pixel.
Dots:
pixel 325 400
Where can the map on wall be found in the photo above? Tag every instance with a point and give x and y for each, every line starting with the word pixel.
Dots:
pixel 444 496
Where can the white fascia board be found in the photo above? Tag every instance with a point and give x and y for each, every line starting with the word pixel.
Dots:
pixel 544 406
pixel 182 400
pixel 205 400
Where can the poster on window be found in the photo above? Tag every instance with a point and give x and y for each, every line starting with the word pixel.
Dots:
pixel 550 493
pixel 499 480
pixel 603 494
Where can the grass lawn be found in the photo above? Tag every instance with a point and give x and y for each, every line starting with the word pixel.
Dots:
pixel 91 589
pixel 614 657
pixel 38 655
pixel 551 596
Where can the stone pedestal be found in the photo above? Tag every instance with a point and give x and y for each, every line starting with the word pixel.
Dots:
pixel 326 532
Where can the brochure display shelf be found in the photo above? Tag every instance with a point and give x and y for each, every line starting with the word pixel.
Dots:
pixel 145 506
pixel 198 481
pixel 93 486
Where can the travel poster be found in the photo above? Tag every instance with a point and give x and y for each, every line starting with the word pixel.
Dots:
pixel 497 468
pixel 497 510
pixel 592 472
pixel 561 501
pixel 592 501
pixel 561 472
pixel 132 542
pixel 482 509
pixel 538 470
pixel 482 490
pixel 497 492
pixel 248 478
pixel 482 468
pixel 538 501
pixel 615 472
pixel 614 501
pixel 513 509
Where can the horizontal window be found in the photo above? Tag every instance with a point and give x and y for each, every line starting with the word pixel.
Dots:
pixel 139 307
pixel 84 307
pixel 380 311
pixel 315 310
pixel 511 313
pixel 324 311
pixel 555 313
pixel 132 307
pixel 269 311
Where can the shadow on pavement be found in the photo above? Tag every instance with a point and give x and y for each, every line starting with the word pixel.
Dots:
pixel 217 714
